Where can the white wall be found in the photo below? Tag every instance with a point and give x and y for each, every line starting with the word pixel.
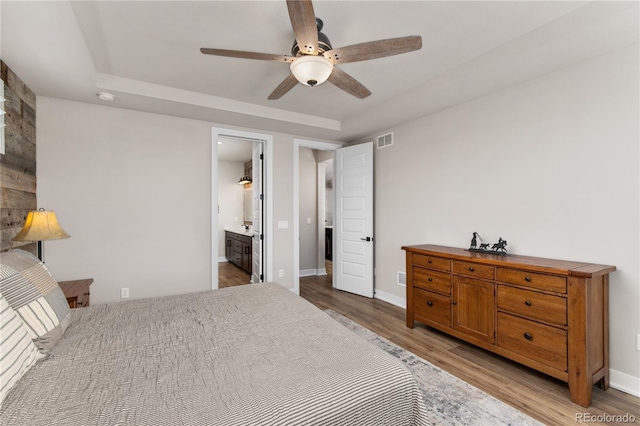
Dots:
pixel 328 205
pixel 308 210
pixel 230 198
pixel 133 190
pixel 551 165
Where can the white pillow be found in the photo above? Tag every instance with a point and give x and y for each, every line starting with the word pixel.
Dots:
pixel 17 352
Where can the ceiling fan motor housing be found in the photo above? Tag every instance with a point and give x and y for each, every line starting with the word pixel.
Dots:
pixel 324 45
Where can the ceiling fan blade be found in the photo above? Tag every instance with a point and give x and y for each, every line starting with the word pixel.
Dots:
pixel 247 55
pixel 349 84
pixel 288 84
pixel 303 21
pixel 374 49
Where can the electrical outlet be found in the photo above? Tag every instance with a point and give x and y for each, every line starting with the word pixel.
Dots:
pixel 308 221
pixel 280 273
pixel 637 342
pixel 124 293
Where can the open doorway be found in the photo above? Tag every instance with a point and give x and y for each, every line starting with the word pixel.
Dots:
pixel 325 212
pixel 235 212
pixel 242 208
pixel 352 239
pixel 310 206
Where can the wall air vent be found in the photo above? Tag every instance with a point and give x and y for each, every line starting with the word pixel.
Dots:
pixel 385 140
pixel 402 278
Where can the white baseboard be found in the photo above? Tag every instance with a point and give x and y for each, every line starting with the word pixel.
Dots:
pixel 621 381
pixel 390 298
pixel 308 272
pixel 322 271
pixel 624 382
pixel 222 259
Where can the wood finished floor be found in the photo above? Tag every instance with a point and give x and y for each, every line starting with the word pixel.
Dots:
pixel 541 397
pixel 229 275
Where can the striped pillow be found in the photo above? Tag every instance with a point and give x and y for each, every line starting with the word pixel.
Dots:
pixel 17 351
pixel 35 295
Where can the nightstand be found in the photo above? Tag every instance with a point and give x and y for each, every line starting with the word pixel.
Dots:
pixel 76 292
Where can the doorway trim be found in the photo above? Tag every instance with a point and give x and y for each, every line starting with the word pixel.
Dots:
pixel 297 143
pixel 216 133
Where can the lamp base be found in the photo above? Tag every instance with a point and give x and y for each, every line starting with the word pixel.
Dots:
pixel 41 251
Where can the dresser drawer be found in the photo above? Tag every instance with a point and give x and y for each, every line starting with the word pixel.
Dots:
pixel 473 269
pixel 537 306
pixel 432 262
pixel 432 306
pixel 532 279
pixel 428 279
pixel 237 246
pixel 533 340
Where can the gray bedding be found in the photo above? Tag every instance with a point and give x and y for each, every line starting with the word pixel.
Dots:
pixel 248 355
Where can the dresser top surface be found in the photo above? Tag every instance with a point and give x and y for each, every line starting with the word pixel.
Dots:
pixel 562 267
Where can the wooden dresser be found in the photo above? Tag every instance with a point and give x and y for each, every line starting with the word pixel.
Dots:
pixel 551 315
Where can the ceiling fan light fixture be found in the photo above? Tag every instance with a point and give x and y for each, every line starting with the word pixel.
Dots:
pixel 311 70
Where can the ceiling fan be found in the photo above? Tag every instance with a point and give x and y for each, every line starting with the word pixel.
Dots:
pixel 312 58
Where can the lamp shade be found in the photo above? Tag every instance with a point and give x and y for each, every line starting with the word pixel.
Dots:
pixel 41 225
pixel 311 70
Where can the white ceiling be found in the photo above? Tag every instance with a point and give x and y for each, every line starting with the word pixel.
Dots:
pixel 147 54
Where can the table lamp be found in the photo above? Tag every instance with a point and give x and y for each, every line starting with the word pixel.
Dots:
pixel 39 226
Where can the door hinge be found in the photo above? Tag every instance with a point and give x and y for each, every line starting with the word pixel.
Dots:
pixel 261 237
pixel 261 277
pixel 262 156
pixel 261 197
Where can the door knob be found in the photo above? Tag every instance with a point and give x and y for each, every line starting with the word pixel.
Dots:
pixel 367 239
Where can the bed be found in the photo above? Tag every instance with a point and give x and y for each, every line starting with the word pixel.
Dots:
pixel 248 355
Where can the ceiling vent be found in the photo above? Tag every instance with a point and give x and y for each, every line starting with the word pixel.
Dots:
pixel 385 140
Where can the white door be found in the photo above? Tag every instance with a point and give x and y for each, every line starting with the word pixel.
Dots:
pixel 258 197
pixel 353 224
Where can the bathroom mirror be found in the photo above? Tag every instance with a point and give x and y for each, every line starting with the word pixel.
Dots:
pixel 248 204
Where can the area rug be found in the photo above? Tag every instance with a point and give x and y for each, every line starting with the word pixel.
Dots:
pixel 449 400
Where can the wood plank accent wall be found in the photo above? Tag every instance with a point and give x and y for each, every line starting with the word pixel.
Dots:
pixel 18 164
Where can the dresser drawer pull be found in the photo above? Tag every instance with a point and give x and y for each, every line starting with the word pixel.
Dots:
pixel 454 302
pixel 471 268
pixel 430 303
pixel 527 279
pixel 429 261
pixel 528 336
pixel 526 302
pixel 429 279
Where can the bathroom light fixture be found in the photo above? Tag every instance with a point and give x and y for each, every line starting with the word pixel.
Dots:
pixel 244 179
pixel 311 70
pixel 105 96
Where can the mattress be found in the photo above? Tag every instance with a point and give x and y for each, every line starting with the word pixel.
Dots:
pixel 247 355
